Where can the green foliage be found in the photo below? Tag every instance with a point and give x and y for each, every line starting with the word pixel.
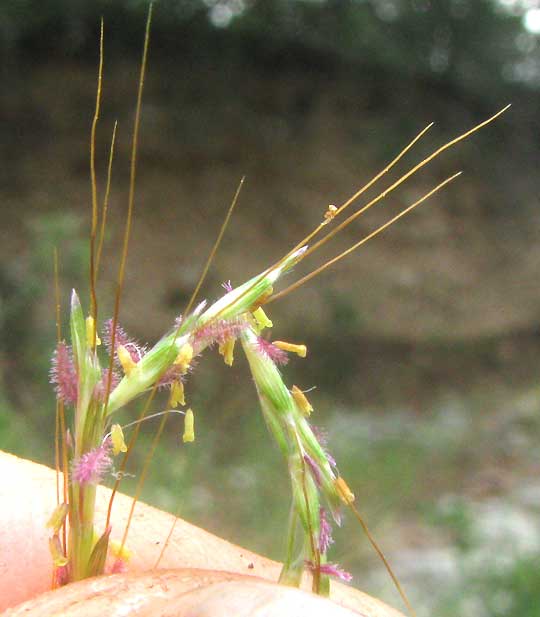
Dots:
pixel 502 592
pixel 18 434
pixel 515 591
pixel 27 342
pixel 59 228
pixel 455 516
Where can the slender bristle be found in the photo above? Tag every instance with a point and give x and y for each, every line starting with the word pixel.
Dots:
pixel 358 244
pixel 381 196
pixel 212 254
pixel 93 182
pixel 125 246
pixel 105 205
pixel 58 443
pixel 382 557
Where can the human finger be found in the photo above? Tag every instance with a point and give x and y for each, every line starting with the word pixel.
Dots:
pixel 28 496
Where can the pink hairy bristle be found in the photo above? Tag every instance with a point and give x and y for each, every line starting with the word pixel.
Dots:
pixel 63 374
pixel 268 349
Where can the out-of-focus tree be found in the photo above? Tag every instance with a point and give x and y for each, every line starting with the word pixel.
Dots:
pixel 476 45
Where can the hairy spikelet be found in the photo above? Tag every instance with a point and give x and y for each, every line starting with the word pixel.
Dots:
pixel 92 466
pixel 218 332
pixel 63 374
pixel 136 351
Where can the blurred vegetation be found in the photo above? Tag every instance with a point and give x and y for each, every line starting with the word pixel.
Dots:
pixel 517 589
pixel 473 46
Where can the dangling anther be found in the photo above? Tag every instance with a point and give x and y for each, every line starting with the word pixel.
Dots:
pixel 127 362
pixel 301 401
pixel 299 350
pixel 189 430
pixel 184 357
pixel 117 439
pixel 177 396
pixel 261 319
pixel 344 492
pixel 226 349
pixel 91 332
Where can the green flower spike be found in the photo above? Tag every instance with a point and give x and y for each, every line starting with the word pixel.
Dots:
pixel 144 374
pixel 310 470
pixel 248 296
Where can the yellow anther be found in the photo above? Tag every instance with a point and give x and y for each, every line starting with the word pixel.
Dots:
pixel 58 517
pixel 226 349
pixel 330 214
pixel 117 438
pixel 91 332
pixel 344 492
pixel 127 362
pixel 301 400
pixel 57 554
pixel 261 319
pixel 189 429
pixel 177 396
pixel 119 551
pixel 300 350
pixel 184 357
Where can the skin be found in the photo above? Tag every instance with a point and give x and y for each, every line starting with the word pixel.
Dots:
pixel 200 574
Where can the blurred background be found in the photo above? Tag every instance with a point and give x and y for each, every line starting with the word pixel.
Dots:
pixel 424 346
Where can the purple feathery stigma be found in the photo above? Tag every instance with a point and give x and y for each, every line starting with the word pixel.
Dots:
pixel 331 569
pixel 218 332
pixel 172 374
pixel 227 286
pixel 330 458
pixel 268 349
pixel 92 466
pixel 320 433
pixel 313 468
pixel 135 350
pixel 322 437
pixel 63 374
pixel 325 533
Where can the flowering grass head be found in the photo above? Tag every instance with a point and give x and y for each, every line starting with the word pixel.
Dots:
pixel 91 466
pixel 93 386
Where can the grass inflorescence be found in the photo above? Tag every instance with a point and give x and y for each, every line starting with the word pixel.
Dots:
pixel 95 379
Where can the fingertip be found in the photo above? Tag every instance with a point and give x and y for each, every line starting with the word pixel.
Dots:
pixel 27 495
